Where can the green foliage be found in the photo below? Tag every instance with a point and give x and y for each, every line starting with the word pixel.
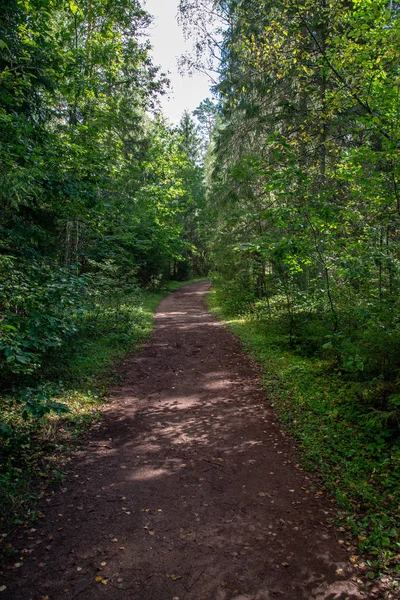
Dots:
pixel 38 424
pixel 39 303
pixel 303 193
pixel 338 432
pixel 96 194
pixel 303 177
pixel 99 198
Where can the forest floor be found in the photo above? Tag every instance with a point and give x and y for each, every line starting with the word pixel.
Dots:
pixel 187 488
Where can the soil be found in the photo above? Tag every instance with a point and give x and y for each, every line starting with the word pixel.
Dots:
pixel 187 488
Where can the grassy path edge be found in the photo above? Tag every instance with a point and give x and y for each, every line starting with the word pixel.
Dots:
pixel 315 407
pixel 34 457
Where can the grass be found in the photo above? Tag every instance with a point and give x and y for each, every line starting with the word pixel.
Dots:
pixel 78 377
pixel 356 456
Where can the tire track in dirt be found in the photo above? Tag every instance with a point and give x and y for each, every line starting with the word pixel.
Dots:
pixel 187 488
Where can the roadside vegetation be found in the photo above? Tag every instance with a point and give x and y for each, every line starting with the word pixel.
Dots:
pixel 303 188
pixel 330 414
pixel 45 416
pixel 101 205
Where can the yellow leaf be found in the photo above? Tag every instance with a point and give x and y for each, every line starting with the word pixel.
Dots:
pixel 99 578
pixel 353 558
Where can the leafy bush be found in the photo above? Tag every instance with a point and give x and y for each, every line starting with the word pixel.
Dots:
pixel 38 302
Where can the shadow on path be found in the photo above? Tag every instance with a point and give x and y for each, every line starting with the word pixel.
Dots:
pixel 187 489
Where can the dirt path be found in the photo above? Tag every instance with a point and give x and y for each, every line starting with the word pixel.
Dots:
pixel 187 489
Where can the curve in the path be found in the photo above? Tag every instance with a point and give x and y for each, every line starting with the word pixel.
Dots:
pixel 187 489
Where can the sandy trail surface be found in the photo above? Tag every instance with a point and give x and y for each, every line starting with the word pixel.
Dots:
pixel 186 489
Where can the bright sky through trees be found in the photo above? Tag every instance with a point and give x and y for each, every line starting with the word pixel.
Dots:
pixel 168 44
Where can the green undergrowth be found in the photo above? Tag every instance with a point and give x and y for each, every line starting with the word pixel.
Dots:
pixel 357 456
pixel 42 417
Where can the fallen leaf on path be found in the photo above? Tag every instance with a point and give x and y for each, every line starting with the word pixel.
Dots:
pixel 114 540
pixel 175 577
pixel 99 578
pixel 353 558
pixel 2 588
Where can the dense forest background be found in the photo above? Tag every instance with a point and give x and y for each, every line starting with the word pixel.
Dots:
pixel 303 174
pixel 99 194
pixel 303 190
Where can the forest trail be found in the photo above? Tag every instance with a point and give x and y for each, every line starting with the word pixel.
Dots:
pixel 187 488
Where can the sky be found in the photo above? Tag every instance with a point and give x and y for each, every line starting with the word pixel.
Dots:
pixel 168 44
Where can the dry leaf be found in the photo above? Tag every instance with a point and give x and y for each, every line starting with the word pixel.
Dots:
pixel 353 558
pixel 2 588
pixel 99 578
